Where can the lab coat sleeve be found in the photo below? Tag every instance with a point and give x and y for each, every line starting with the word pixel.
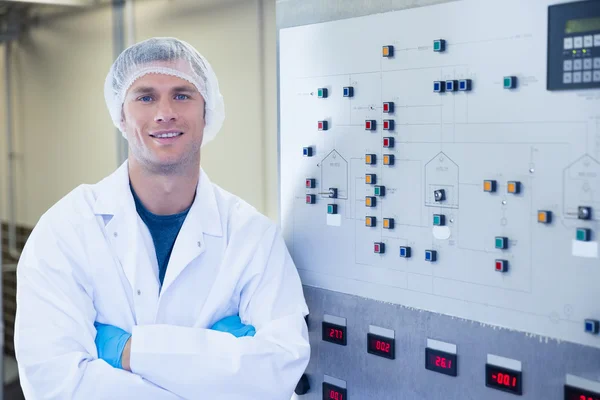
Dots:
pixel 201 363
pixel 54 331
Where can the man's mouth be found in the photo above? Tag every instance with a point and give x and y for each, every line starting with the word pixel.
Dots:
pixel 163 135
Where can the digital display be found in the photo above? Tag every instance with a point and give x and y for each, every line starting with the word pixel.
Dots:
pixel 573 393
pixel 503 379
pixel 334 333
pixel 332 392
pixel 439 361
pixel 582 25
pixel 380 346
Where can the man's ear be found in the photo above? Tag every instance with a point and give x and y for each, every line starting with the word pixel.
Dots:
pixel 122 124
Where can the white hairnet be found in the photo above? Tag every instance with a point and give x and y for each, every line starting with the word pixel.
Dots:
pixel 170 56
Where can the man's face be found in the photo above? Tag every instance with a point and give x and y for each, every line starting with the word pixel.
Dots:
pixel 163 117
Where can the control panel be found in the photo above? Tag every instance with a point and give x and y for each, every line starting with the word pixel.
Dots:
pixel 439 158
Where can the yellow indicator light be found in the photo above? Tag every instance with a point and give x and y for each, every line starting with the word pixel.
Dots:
pixel 368 202
pixel 367 178
pixel 487 186
pixel 386 223
pixel 386 51
pixel 368 159
pixel 542 216
pixel 386 160
pixel 368 221
pixel 512 187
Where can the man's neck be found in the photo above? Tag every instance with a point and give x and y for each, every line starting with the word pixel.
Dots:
pixel 164 194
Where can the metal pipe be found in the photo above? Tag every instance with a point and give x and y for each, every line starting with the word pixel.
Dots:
pixel 12 214
pixel 7 75
pixel 129 11
pixel 118 46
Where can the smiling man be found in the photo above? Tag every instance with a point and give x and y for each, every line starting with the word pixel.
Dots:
pixel 155 283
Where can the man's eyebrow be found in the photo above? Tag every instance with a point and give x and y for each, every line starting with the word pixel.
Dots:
pixel 184 88
pixel 142 90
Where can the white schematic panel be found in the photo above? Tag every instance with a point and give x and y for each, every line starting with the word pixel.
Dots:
pixel 427 161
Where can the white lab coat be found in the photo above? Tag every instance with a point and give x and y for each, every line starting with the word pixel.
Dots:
pixel 91 258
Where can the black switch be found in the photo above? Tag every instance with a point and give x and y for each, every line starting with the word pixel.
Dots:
pixel 584 212
pixel 303 386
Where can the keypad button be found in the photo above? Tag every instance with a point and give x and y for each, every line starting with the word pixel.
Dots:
pixel 578 42
pixel 568 43
pixel 567 77
pixel 596 77
pixel 577 65
pixel 597 63
pixel 597 40
pixel 588 41
pixel 587 76
pixel 568 65
pixel 587 63
pixel 576 77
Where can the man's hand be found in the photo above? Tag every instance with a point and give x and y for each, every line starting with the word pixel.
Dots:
pixel 111 342
pixel 234 326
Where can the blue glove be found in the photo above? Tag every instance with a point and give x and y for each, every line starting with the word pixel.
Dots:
pixel 110 342
pixel 234 326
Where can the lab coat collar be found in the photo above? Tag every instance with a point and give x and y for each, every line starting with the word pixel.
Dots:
pixel 114 197
pixel 124 229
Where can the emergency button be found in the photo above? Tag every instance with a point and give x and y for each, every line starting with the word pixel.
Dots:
pixel 501 265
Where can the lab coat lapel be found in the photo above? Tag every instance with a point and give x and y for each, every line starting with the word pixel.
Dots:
pixel 125 232
pixel 202 219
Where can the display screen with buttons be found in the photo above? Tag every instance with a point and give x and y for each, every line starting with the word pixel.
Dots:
pixel 574 46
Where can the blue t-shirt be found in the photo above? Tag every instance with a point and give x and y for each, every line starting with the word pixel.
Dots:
pixel 163 229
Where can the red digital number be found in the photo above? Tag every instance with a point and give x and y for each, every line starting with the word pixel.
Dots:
pixel 333 395
pixel 382 346
pixel 443 362
pixel 504 379
pixel 335 333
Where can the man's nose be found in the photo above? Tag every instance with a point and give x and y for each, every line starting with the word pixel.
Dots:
pixel 165 112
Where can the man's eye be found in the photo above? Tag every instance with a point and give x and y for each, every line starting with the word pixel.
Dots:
pixel 181 97
pixel 145 99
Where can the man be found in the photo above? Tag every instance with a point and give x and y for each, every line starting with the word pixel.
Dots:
pixel 155 283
